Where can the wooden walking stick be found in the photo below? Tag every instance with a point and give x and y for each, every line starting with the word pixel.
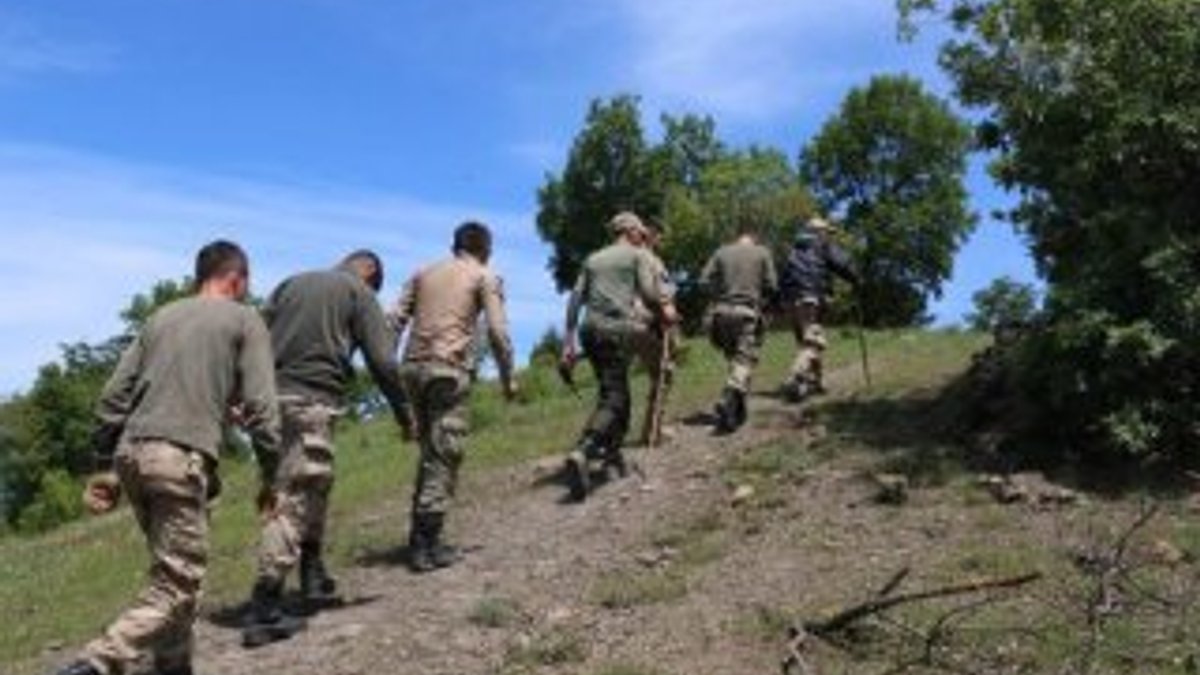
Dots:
pixel 659 393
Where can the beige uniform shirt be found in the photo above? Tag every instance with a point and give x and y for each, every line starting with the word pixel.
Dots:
pixel 443 303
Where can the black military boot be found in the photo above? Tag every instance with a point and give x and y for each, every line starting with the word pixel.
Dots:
pixel 727 411
pixel 317 587
pixel 80 667
pixel 796 390
pixel 740 413
pixel 266 621
pixel 427 552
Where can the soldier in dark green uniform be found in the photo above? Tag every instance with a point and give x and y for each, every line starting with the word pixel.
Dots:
pixel 162 416
pixel 740 277
pixel 610 286
pixel 318 320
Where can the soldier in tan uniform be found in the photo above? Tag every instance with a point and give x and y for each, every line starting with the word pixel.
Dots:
pixel 163 412
pixel 318 320
pixel 656 345
pixel 610 286
pixel 740 277
pixel 440 307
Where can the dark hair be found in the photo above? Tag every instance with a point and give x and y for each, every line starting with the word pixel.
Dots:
pixel 367 256
pixel 219 258
pixel 473 238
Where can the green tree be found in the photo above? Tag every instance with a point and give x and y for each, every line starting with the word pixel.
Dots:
pixel 1092 109
pixel 891 166
pixel 1004 302
pixel 45 434
pixel 609 169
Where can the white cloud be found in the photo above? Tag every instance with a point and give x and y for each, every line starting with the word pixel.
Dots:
pixel 757 59
pixel 25 49
pixel 83 233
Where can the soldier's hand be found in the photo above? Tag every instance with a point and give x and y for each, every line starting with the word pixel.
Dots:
pixel 670 315
pixel 102 493
pixel 569 355
pixel 511 390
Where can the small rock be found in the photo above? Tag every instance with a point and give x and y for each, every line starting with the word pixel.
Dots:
pixel 1058 496
pixel 1165 553
pixel 893 488
pixel 559 615
pixel 1004 489
pixel 742 494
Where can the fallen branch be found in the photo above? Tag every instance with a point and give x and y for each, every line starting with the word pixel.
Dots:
pixel 844 619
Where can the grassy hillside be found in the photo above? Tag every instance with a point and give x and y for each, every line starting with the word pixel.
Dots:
pixel 56 590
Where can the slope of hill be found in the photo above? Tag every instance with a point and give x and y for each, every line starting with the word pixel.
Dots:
pixel 699 562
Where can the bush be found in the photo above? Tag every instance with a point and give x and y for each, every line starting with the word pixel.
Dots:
pixel 58 501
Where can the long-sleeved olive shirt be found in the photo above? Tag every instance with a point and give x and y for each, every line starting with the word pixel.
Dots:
pixel 317 321
pixel 194 359
pixel 617 286
pixel 741 274
pixel 443 303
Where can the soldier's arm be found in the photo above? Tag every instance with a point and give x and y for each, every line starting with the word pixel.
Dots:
pixel 574 309
pixel 260 407
pixel 492 301
pixel 116 404
pixel 402 312
pixel 839 261
pixel 372 335
pixel 770 277
pixel 710 275
pixel 652 291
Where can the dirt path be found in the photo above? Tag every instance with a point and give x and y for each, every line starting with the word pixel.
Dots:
pixel 530 552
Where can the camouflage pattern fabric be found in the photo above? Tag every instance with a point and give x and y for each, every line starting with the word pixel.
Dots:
pixel 167 486
pixel 738 332
pixel 810 341
pixel 439 396
pixel 611 355
pixel 305 480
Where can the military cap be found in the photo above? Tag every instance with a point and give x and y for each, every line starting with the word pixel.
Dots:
pixel 626 221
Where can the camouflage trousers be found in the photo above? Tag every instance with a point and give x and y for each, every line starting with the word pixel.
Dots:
pixel 649 346
pixel 167 487
pixel 438 396
pixel 810 341
pixel 611 354
pixel 304 483
pixel 738 333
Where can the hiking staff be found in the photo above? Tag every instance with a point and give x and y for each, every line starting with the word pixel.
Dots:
pixel 659 394
pixel 862 337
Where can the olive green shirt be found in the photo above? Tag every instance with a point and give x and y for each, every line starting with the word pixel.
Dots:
pixel 740 274
pixel 318 320
pixel 616 282
pixel 194 359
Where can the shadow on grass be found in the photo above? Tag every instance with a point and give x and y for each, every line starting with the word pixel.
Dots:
pixel 930 436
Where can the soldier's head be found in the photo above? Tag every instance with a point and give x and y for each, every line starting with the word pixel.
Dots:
pixel 365 265
pixel 626 225
pixel 819 226
pixel 654 234
pixel 223 269
pixel 473 239
pixel 747 229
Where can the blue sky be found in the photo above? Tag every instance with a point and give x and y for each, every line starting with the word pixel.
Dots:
pixel 131 132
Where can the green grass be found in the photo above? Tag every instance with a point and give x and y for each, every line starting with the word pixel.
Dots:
pixel 556 647
pixel 491 612
pixel 62 587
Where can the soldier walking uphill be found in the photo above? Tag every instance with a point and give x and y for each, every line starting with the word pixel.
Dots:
pixel 443 304
pixel 656 346
pixel 805 289
pixel 739 278
pixel 609 288
pixel 317 321
pixel 161 420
